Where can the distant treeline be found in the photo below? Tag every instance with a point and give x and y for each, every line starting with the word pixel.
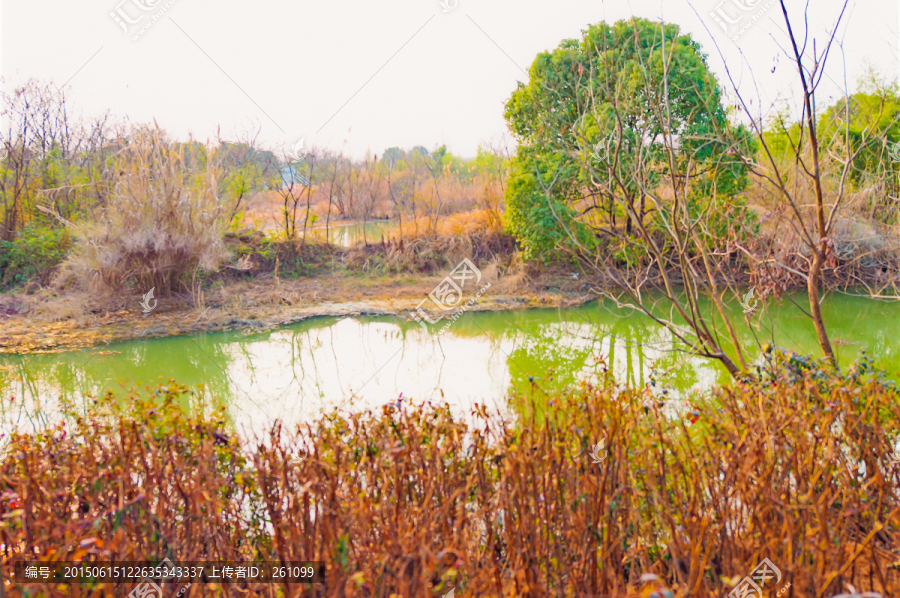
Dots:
pixel 62 177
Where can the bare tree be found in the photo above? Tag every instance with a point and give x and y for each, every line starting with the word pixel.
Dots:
pixel 52 160
pixel 394 195
pixel 803 170
pixel 436 170
pixel 37 125
pixel 311 157
pixel 291 192
pixel 332 164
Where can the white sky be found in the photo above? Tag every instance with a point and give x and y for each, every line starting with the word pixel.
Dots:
pixel 416 75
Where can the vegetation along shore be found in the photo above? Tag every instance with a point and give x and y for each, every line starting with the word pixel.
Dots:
pixel 706 404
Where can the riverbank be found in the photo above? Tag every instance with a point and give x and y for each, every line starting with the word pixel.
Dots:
pixel 47 322
pixel 53 319
pixel 268 283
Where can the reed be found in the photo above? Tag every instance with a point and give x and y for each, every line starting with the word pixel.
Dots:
pixel 163 221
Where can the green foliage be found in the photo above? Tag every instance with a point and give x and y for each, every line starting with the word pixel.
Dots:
pixel 540 221
pixel 394 154
pixel 266 249
pixel 33 253
pixel 863 127
pixel 607 91
pixel 487 162
pixel 782 135
pixel 438 156
pixel 725 218
pixel 867 124
pixel 246 180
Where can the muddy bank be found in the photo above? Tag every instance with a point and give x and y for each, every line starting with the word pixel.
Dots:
pixel 46 323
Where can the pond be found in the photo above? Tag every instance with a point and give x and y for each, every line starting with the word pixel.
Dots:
pixel 347 235
pixel 297 372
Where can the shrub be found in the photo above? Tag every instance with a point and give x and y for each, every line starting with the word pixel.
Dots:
pixel 412 500
pixel 418 247
pixel 32 254
pixel 164 219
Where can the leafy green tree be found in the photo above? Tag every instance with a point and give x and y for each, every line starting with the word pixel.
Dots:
pixel 624 110
pixel 543 221
pixel 627 162
pixel 872 119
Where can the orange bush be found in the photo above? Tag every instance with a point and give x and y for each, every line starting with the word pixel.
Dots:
pixel 412 501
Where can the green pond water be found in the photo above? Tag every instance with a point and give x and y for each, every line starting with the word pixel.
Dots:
pixel 347 235
pixel 297 372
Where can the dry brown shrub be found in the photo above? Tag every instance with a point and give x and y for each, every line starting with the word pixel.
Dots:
pixel 477 235
pixel 864 242
pixel 412 501
pixel 163 221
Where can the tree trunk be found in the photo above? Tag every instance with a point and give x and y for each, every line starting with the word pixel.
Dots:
pixel 628 212
pixel 812 290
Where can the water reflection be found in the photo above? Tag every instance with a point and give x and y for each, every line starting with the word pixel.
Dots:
pixel 347 235
pixel 296 372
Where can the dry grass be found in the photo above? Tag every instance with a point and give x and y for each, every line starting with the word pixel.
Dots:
pixel 163 221
pixel 864 241
pixel 420 247
pixel 412 501
pixel 47 321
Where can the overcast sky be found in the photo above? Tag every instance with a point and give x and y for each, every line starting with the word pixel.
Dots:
pixel 365 75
